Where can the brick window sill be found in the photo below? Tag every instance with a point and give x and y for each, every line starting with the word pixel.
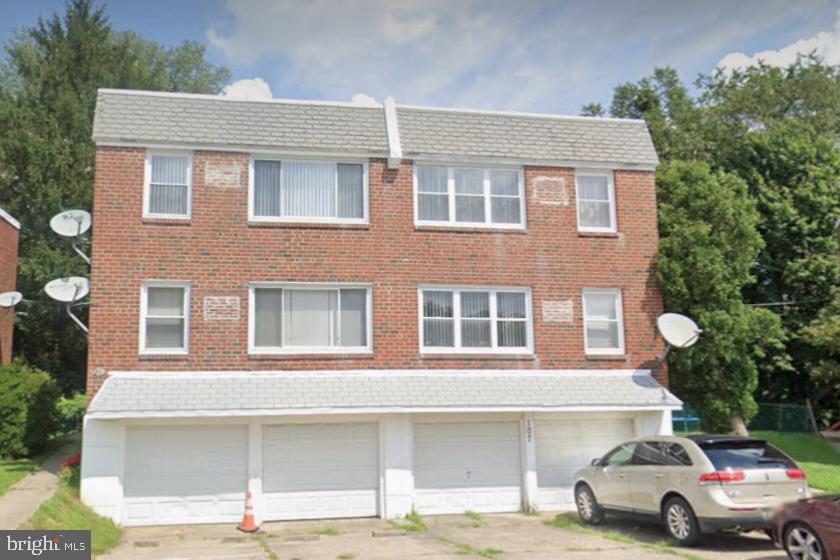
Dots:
pixel 602 234
pixel 307 225
pixel 456 229
pixel 164 357
pixel 607 358
pixel 325 356
pixel 167 221
pixel 487 357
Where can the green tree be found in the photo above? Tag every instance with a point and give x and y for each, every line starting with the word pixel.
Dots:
pixel 823 335
pixel 709 243
pixel 48 90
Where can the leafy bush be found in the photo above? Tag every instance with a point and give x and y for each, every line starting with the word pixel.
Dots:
pixel 71 411
pixel 28 409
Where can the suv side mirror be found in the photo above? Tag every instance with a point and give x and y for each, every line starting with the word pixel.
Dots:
pixel 596 462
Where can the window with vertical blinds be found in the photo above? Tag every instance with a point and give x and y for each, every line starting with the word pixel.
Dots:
pixel 308 190
pixel 309 318
pixel 165 318
pixel 475 320
pixel 168 185
pixel 603 321
pixel 469 196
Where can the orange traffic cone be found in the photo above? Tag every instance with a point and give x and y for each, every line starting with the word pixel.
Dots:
pixel 248 524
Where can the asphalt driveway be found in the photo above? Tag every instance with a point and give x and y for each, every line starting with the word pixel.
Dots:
pixel 500 536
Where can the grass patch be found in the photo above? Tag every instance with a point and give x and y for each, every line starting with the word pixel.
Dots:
pixel 263 542
pixel 820 461
pixel 346 556
pixel 464 548
pixel 66 511
pixel 412 523
pixel 663 546
pixel 327 531
pixel 13 470
pixel 476 521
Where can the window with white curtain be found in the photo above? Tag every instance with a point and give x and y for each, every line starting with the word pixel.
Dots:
pixel 168 183
pixel 603 321
pixel 303 318
pixel 475 320
pixel 595 201
pixel 469 196
pixel 308 191
pixel 164 318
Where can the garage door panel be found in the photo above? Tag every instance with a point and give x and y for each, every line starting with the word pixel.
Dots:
pixel 320 470
pixel 467 466
pixel 185 474
pixel 565 446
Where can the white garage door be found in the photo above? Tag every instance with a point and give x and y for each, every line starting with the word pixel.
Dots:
pixel 470 466
pixel 189 474
pixel 564 446
pixel 317 471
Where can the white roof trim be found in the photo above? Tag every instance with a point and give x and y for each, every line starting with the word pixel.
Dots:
pixel 392 130
pixel 575 164
pixel 368 410
pixel 519 114
pixel 211 97
pixel 8 217
pixel 382 373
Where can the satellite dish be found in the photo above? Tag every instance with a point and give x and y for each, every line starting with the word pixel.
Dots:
pixel 678 330
pixel 10 299
pixel 68 290
pixel 71 223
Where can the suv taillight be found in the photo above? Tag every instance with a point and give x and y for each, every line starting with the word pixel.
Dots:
pixel 721 477
pixel 795 474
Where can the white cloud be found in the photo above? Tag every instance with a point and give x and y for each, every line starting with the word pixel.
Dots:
pixel 364 99
pixel 537 55
pixel 825 44
pixel 249 88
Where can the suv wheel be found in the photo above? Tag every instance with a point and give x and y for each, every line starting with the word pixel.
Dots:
pixel 588 509
pixel 802 543
pixel 681 523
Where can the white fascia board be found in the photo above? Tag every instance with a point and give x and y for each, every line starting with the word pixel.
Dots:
pixel 107 415
pixel 507 162
pixel 382 372
pixel 8 217
pixel 392 129
pixel 104 142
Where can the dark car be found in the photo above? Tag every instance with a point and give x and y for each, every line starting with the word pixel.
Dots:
pixel 809 529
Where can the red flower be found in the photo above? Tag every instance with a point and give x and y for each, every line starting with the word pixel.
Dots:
pixel 69 462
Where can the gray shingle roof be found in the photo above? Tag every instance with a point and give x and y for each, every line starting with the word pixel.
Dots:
pixel 216 121
pixel 151 117
pixel 162 394
pixel 520 136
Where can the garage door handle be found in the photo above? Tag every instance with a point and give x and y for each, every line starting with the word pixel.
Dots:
pixel 621 475
pixel 660 475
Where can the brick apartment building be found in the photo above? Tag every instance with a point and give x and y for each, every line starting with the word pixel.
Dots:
pixel 9 236
pixel 361 311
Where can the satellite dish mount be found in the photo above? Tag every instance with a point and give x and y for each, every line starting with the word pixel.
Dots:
pixel 70 291
pixel 678 331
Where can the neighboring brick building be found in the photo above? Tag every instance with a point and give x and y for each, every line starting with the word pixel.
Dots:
pixel 9 235
pixel 475 289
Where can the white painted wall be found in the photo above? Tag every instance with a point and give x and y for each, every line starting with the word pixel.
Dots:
pixel 397 456
pixel 102 467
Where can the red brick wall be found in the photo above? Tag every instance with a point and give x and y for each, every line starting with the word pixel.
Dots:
pixel 8 280
pixel 220 254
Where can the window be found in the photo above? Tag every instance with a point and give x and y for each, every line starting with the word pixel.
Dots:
pixel 676 454
pixel 309 318
pixel 650 453
pixel 475 320
pixel 603 324
pixel 164 318
pixel 620 456
pixel 467 196
pixel 595 201
pixel 167 189
pixel 745 454
pixel 313 191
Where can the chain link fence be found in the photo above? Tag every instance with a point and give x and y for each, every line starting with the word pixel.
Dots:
pixel 772 417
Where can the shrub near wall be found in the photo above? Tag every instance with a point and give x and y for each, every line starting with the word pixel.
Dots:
pixel 28 409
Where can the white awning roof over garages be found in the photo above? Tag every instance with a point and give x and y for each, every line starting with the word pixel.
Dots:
pixel 166 395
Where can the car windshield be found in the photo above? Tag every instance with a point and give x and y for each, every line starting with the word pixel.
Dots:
pixel 745 454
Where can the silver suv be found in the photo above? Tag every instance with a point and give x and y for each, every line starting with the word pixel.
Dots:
pixel 693 485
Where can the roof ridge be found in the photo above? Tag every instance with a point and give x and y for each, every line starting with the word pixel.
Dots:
pixel 521 114
pixel 213 97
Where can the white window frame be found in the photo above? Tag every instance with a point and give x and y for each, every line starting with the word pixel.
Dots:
pixel 147 180
pixel 315 286
pixel 450 192
pixel 456 316
pixel 252 218
pixel 144 304
pixel 610 175
pixel 619 302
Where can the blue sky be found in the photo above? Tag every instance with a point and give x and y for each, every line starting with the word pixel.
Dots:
pixel 494 54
